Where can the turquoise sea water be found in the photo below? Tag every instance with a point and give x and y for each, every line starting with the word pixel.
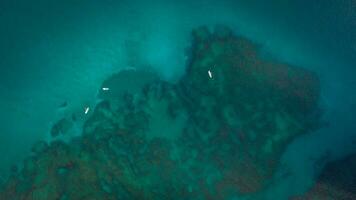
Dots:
pixel 55 52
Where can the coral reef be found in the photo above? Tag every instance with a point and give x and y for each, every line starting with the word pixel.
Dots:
pixel 218 132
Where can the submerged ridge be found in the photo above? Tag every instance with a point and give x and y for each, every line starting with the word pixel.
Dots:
pixel 217 133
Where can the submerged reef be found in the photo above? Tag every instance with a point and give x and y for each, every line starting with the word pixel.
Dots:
pixel 217 133
pixel 336 182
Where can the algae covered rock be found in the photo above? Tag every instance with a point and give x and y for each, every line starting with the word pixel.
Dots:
pixel 217 133
pixel 263 105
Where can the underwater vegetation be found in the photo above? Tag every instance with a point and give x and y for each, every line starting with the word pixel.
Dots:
pixel 217 133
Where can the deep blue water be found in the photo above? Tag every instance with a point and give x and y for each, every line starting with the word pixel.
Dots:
pixel 60 51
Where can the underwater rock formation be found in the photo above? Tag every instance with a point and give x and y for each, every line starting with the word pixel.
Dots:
pixel 219 132
pixel 62 126
pixel 336 182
